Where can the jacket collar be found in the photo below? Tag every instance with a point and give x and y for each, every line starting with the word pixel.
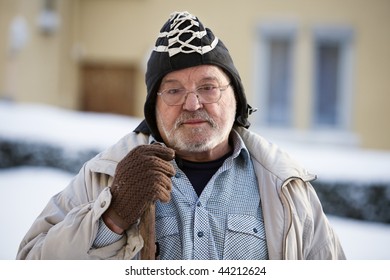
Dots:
pixel 272 158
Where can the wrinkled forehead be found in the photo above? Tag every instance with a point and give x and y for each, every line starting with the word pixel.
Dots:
pixel 196 74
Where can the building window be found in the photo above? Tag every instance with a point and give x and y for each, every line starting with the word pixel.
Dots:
pixel 274 67
pixel 327 91
pixel 278 94
pixel 333 71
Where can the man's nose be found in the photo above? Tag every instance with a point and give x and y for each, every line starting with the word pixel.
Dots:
pixel 192 102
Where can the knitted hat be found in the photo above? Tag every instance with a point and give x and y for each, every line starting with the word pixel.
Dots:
pixel 184 42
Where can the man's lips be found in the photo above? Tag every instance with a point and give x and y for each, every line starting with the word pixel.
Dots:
pixel 194 122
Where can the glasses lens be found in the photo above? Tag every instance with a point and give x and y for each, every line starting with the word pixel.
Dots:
pixel 174 96
pixel 208 94
pixel 205 94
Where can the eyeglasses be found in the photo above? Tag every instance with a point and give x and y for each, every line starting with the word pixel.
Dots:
pixel 206 94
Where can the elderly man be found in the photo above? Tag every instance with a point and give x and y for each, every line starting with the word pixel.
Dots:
pixel 220 191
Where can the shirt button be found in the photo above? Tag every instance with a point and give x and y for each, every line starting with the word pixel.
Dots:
pixel 200 234
pixel 199 204
pixel 255 230
pixel 177 175
pixel 103 204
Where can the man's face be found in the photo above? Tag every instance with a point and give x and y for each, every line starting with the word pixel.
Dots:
pixel 194 127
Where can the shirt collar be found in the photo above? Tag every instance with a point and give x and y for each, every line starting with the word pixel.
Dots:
pixel 239 147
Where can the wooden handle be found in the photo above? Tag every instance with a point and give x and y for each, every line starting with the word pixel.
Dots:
pixel 148 233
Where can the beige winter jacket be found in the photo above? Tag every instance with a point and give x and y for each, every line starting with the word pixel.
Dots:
pixel 296 227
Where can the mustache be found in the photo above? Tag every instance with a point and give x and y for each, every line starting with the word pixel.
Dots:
pixel 200 114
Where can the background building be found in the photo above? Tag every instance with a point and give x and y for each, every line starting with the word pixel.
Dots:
pixel 318 71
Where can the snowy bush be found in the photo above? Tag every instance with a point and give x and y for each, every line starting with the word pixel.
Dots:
pixel 358 200
pixel 16 152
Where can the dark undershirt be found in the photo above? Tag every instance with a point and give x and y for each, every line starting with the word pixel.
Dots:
pixel 200 173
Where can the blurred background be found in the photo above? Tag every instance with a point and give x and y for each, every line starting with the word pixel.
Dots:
pixel 318 72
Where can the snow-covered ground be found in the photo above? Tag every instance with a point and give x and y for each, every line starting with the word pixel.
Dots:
pixel 26 190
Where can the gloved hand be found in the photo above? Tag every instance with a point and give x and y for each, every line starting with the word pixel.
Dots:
pixel 141 177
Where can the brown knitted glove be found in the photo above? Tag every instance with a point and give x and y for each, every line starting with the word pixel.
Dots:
pixel 141 177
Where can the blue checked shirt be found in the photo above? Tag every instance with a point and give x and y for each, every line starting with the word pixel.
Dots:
pixel 225 222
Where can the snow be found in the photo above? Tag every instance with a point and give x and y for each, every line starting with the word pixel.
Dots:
pixel 25 190
pixel 62 127
pixel 343 163
pixel 330 159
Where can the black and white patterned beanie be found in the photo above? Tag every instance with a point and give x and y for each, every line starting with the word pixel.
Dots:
pixel 184 42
